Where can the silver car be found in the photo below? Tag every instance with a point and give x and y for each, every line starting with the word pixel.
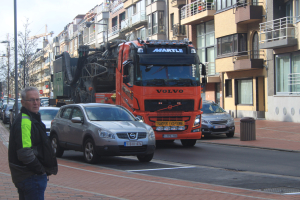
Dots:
pixel 215 120
pixel 99 129
pixel 47 115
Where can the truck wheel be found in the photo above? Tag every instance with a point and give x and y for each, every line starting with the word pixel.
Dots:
pixel 89 152
pixel 145 158
pixel 58 150
pixel 188 143
pixel 230 134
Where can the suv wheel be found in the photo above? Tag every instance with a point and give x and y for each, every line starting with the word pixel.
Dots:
pixel 145 158
pixel 58 150
pixel 230 134
pixel 188 143
pixel 89 152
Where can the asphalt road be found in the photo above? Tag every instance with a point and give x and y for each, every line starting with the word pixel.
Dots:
pixel 250 168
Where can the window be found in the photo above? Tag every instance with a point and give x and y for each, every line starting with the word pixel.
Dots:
pixel 66 113
pixel 244 91
pixel 287 73
pixel 206 45
pixel 222 4
pixel 77 113
pixel 102 28
pixel 228 88
pixel 114 21
pixel 172 21
pixel 121 17
pixel 156 23
pixel 233 43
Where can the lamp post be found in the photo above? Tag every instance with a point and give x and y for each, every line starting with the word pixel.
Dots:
pixel 88 24
pixel 7 55
pixel 16 60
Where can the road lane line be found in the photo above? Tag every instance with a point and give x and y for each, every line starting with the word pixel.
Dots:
pixel 143 170
pixel 170 184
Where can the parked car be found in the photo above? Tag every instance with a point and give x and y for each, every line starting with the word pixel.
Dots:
pixel 12 113
pixel 6 113
pixel 47 115
pixel 45 103
pixel 99 129
pixel 2 110
pixel 215 120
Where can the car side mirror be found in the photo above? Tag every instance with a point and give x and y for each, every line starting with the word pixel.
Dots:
pixel 76 120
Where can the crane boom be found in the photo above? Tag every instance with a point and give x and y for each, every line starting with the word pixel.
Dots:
pixel 41 35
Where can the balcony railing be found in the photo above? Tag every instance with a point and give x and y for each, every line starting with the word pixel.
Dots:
pixel 211 68
pixel 125 23
pixel 278 29
pixel 138 17
pixel 196 7
pixel 113 31
pixel 179 30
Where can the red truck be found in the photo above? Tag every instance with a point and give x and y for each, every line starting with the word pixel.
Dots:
pixel 158 81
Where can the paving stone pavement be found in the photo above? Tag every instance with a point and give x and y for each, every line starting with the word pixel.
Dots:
pixel 83 181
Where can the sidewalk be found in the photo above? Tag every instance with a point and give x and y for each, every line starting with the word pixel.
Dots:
pixel 83 181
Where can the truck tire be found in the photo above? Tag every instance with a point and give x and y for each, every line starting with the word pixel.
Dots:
pixel 188 142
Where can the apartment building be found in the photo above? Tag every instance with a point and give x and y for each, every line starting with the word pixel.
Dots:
pixel 279 36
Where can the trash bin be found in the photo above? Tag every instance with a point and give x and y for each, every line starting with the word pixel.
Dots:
pixel 247 129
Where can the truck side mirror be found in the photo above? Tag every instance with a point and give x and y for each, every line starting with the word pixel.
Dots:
pixel 204 81
pixel 125 79
pixel 203 69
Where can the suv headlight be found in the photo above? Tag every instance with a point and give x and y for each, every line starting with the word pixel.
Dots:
pixel 197 121
pixel 151 134
pixel 106 134
pixel 205 121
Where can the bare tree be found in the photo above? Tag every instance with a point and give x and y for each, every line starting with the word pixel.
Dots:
pixel 26 49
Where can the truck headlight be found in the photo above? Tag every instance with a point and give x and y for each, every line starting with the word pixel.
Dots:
pixel 151 134
pixel 197 121
pixel 106 134
pixel 140 118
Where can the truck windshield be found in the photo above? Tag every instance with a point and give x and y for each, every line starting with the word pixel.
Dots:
pixel 163 75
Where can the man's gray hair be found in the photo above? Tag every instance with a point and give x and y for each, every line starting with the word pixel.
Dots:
pixel 27 89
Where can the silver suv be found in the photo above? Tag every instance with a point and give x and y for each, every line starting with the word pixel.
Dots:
pixel 101 130
pixel 215 120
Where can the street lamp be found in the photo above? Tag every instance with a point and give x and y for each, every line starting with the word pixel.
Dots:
pixel 8 55
pixel 88 24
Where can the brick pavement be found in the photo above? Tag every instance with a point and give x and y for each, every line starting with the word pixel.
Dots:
pixel 83 181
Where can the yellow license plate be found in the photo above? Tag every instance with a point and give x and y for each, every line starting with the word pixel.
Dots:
pixel 169 123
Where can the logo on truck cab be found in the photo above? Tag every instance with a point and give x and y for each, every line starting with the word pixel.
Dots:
pixel 169 91
pixel 168 50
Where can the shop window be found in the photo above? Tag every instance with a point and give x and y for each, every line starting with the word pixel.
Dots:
pixel 228 88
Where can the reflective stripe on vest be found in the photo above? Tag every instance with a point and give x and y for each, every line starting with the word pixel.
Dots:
pixel 26 130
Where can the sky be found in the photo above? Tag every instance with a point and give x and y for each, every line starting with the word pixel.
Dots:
pixel 56 14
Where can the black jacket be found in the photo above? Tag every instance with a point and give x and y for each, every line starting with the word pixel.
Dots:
pixel 29 150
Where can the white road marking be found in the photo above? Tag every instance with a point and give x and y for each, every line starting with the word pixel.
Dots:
pixel 156 169
pixel 293 193
pixel 171 184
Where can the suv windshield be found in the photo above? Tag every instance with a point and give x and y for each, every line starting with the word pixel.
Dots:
pixel 163 75
pixel 211 108
pixel 108 114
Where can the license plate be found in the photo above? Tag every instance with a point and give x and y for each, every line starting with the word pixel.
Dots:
pixel 169 123
pixel 169 135
pixel 219 126
pixel 133 144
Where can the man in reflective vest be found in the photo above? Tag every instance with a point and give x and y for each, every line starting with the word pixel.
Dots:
pixel 31 157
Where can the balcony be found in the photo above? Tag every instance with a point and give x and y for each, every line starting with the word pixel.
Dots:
pixel 212 76
pixel 247 12
pixel 114 33
pixel 248 60
pixel 137 20
pixel 178 3
pixel 197 12
pixel 64 38
pixel 278 33
pixel 179 31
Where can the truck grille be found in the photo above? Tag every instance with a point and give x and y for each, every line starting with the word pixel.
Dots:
pixel 141 135
pixel 168 104
pixel 124 149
